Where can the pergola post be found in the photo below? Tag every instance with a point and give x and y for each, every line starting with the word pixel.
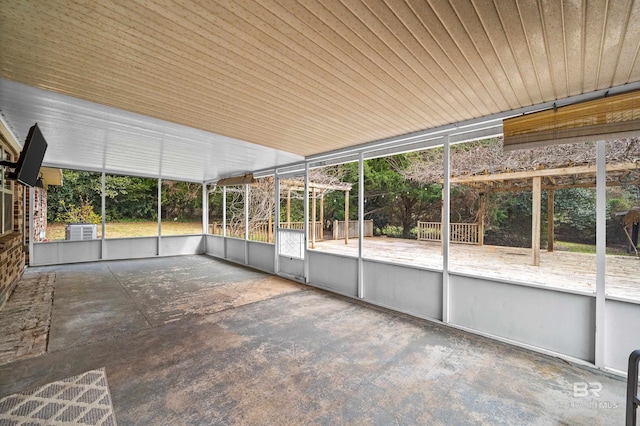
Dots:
pixel 224 212
pixel 313 217
pixel 289 208
pixel 481 213
pixel 442 224
pixel 246 223
pixel 535 220
pixel 550 228
pixel 322 216
pixel 346 217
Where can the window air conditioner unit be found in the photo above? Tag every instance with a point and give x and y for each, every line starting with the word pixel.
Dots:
pixel 81 231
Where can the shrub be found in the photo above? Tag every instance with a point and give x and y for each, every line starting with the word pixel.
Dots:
pixel 82 214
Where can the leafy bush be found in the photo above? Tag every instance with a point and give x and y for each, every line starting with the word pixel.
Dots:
pixel 396 232
pixel 82 214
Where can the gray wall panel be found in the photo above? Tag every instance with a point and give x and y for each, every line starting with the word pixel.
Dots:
pixel 59 252
pixel 407 289
pixel 215 245
pixel 235 250
pixel 292 266
pixel 621 333
pixel 553 320
pixel 175 245
pixel 44 254
pixel 261 256
pixel 334 272
pixel 131 248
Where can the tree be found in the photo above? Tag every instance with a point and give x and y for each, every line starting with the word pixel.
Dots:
pixel 390 198
pixel 181 200
pixel 127 197
pixel 131 198
pixel 78 189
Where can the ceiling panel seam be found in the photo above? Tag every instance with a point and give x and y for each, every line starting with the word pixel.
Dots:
pixel 132 84
pixel 386 18
pixel 358 67
pixel 490 53
pixel 448 72
pixel 279 74
pixel 355 94
pixel 466 47
pixel 385 55
pixel 266 99
pixel 328 67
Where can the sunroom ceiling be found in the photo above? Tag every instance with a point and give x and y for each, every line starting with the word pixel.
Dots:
pixel 88 136
pixel 306 77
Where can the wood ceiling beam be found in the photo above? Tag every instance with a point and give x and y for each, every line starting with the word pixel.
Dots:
pixel 554 187
pixel 297 186
pixel 562 171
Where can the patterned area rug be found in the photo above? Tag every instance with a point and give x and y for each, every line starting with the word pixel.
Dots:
pixel 81 399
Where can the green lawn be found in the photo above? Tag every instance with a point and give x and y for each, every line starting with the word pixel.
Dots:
pixel 55 231
pixel 587 248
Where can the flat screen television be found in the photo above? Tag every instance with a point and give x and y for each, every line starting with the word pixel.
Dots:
pixel 27 168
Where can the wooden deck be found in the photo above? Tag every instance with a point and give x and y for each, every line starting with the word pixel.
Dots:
pixel 559 269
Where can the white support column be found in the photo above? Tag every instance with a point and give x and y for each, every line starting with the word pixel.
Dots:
pixel 276 221
pixel 246 224
pixel 103 213
pixel 306 222
pixel 205 209
pixel 346 217
pixel 446 191
pixel 361 226
pixel 313 217
pixel 601 247
pixel 159 216
pixel 224 222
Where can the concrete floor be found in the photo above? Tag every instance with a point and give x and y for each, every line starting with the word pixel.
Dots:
pixel 194 340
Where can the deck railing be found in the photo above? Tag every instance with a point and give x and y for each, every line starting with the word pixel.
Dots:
pixel 261 231
pixel 300 226
pixel 338 229
pixel 465 233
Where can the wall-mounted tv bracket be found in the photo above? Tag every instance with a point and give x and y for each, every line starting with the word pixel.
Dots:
pixel 10 164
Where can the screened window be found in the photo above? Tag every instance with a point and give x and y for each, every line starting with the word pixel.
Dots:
pixel 6 200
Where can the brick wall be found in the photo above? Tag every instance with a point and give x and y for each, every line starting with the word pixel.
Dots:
pixel 12 257
pixel 39 215
pixel 11 264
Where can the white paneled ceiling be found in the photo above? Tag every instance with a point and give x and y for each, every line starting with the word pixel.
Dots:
pixel 89 136
pixel 307 76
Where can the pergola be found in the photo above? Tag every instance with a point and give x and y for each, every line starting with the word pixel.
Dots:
pixel 549 179
pixel 316 190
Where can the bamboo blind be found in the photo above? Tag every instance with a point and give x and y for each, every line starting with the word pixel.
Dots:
pixel 604 118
